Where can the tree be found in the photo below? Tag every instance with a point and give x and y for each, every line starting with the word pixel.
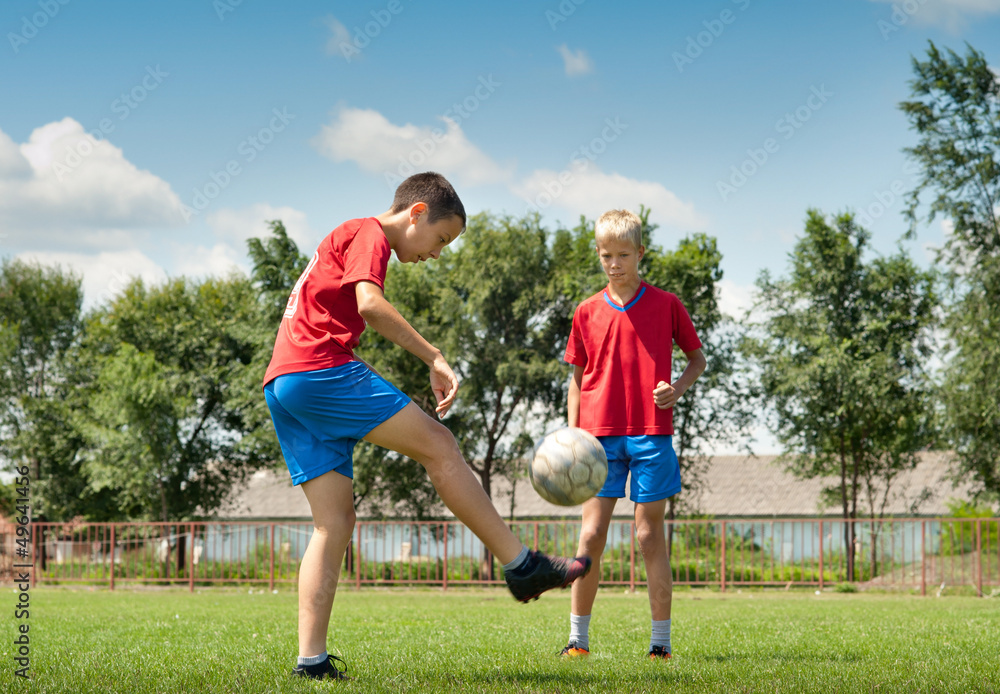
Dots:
pixel 165 425
pixel 40 324
pixel 841 352
pixel 721 406
pixel 955 110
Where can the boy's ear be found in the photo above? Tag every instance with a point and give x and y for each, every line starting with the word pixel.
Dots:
pixel 417 209
pixel 642 252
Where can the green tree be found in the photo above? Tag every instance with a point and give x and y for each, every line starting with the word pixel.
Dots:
pixel 40 325
pixel 955 111
pixel 841 352
pixel 166 425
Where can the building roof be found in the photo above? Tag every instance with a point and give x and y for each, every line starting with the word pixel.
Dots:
pixel 735 486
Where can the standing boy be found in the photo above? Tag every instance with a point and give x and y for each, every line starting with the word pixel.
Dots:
pixel 323 401
pixel 620 348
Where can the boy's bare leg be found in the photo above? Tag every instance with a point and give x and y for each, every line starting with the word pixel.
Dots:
pixel 331 499
pixel 593 536
pixel 653 543
pixel 414 434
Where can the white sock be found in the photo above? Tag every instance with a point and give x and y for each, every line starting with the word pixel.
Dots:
pixel 579 626
pixel 661 634
pixel 313 660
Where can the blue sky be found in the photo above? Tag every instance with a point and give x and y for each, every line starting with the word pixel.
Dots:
pixel 152 139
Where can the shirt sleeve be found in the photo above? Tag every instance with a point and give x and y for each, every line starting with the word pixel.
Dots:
pixel 576 350
pixel 684 333
pixel 367 256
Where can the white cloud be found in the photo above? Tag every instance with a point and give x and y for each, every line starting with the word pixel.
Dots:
pixel 220 260
pixel 236 226
pixel 367 138
pixel 585 189
pixel 953 15
pixel 576 64
pixel 736 300
pixel 339 42
pixel 104 274
pixel 66 188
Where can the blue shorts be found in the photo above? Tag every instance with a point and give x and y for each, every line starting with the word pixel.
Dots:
pixel 656 474
pixel 319 416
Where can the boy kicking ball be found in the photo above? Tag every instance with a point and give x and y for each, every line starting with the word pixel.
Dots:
pixel 323 401
pixel 620 348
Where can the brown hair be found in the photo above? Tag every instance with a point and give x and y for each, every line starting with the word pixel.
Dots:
pixel 434 190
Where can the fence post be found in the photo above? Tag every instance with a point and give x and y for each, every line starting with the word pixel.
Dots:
pixel 35 563
pixel 631 553
pixel 190 561
pixel 923 557
pixel 821 536
pixel 113 547
pixel 722 556
pixel 271 586
pixel 979 556
pixel 357 569
pixel 444 585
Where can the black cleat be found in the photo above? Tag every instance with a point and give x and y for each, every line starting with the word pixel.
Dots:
pixel 547 573
pixel 659 653
pixel 325 670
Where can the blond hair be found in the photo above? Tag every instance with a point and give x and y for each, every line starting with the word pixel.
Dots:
pixel 619 225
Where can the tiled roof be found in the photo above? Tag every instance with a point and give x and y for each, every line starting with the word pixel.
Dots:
pixel 735 486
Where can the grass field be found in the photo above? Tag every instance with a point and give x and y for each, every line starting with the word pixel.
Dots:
pixel 220 640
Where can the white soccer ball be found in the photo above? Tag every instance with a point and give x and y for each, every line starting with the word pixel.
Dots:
pixel 569 467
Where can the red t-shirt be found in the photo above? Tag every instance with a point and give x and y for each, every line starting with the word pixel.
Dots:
pixel 625 352
pixel 321 325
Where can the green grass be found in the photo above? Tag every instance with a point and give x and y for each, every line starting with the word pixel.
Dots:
pixel 222 640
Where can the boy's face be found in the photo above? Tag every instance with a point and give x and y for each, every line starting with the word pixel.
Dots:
pixel 620 261
pixel 424 240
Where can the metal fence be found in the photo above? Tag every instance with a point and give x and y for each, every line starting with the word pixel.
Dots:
pixel 900 553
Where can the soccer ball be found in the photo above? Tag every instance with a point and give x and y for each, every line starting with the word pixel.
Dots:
pixel 569 467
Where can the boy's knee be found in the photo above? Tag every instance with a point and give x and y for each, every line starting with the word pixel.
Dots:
pixel 650 538
pixel 594 537
pixel 336 523
pixel 439 446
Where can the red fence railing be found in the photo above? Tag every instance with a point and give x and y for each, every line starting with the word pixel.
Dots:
pixel 908 553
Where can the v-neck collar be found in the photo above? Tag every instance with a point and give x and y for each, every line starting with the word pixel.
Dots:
pixel 638 295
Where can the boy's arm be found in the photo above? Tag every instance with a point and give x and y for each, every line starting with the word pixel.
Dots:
pixel 387 322
pixel 573 399
pixel 666 395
